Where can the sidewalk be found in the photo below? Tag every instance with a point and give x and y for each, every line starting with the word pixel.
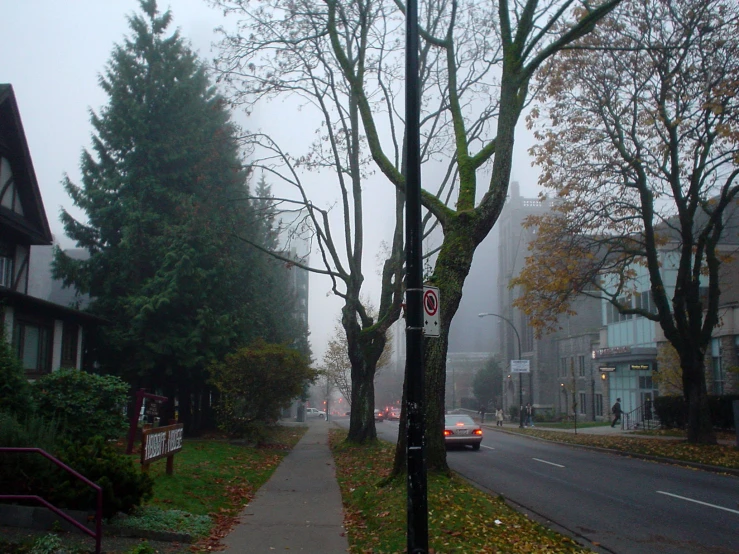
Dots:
pixel 299 508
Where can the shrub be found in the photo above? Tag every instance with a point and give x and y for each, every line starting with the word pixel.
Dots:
pixel 722 410
pixel 15 392
pixel 124 485
pixel 86 404
pixel 256 382
pixel 27 473
pixel 672 411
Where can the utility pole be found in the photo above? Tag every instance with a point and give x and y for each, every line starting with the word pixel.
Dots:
pixel 520 378
pixel 417 508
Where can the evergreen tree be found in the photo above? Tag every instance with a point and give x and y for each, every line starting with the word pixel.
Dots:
pixel 164 192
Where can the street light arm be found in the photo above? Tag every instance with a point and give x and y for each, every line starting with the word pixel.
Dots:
pixel 508 321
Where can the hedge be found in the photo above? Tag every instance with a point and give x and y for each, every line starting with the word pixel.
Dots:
pixel 672 411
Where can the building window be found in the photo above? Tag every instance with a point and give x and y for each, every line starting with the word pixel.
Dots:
pixel 718 370
pixel 645 382
pixel 581 366
pixel 70 335
pixel 583 401
pixel 33 346
pixel 6 265
pixel 599 404
pixel 563 367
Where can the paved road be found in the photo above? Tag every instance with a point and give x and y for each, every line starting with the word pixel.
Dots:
pixel 616 504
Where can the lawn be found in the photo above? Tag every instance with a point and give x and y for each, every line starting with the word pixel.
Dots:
pixel 211 483
pixel 461 518
pixel 676 448
pixel 571 424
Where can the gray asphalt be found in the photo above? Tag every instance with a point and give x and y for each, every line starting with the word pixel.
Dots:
pixel 610 503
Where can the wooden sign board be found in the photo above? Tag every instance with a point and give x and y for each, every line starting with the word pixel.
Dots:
pixel 161 442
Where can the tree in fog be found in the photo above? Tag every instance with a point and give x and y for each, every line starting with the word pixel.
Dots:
pixel 638 144
pixel 278 51
pixel 164 191
pixel 337 366
pixel 487 385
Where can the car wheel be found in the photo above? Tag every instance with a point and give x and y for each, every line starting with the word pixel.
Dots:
pixel 476 446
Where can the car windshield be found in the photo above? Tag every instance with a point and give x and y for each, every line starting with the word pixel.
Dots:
pixel 458 420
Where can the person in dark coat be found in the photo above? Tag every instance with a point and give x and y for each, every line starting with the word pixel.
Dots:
pixel 616 410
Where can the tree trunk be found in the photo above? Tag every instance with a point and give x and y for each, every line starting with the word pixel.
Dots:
pixel 452 268
pixel 700 427
pixel 362 419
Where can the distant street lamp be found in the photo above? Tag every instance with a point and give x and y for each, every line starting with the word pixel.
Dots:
pixel 520 379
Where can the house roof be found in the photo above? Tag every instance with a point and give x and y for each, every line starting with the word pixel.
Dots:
pixel 34 225
pixel 50 309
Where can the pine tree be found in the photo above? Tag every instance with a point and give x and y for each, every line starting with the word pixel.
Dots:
pixel 164 191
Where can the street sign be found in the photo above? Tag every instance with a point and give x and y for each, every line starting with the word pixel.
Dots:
pixel 431 325
pixel 520 366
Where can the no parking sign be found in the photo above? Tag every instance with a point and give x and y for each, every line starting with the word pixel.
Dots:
pixel 431 325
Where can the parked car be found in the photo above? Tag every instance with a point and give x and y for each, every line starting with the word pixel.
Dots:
pixel 314 412
pixel 393 414
pixel 461 429
pixel 379 415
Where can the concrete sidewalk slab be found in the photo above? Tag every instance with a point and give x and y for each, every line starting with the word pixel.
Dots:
pixel 299 509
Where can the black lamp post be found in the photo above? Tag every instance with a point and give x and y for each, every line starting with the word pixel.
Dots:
pixel 520 379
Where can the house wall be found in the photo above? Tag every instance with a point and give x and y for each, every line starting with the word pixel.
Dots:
pixel 56 348
pixel 8 314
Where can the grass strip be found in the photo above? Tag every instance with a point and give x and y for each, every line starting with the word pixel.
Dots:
pixel 677 449
pixel 461 518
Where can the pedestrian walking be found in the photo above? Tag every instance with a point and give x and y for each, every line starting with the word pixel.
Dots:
pixel 616 410
pixel 499 417
pixel 529 415
pixel 482 414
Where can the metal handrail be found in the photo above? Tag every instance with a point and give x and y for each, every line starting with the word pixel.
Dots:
pixel 98 533
pixel 643 417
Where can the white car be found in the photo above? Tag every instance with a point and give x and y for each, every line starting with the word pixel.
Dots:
pixel 313 412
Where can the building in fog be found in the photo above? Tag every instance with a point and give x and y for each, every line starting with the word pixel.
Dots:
pixel 598 354
pixel 560 363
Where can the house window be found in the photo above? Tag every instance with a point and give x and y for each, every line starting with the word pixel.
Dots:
pixel 70 334
pixel 599 404
pixel 6 265
pixel 563 367
pixel 33 346
pixel 6 272
pixel 718 370
pixel 581 366
pixel 583 401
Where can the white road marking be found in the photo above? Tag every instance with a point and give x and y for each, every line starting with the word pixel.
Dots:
pixel 699 502
pixel 545 462
pixel 488 447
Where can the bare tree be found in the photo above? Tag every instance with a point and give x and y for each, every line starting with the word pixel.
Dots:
pixel 337 366
pixel 484 59
pixel 639 145
pixel 284 49
pixel 476 63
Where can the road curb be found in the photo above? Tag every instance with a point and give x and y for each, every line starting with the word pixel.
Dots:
pixel 660 459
